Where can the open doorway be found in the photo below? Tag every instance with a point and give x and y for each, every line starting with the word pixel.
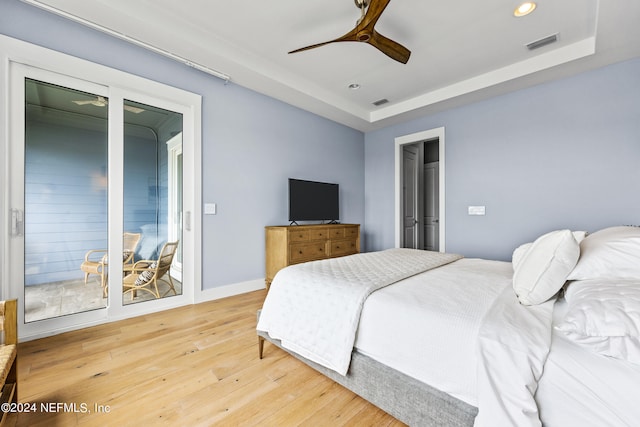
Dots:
pixel 420 190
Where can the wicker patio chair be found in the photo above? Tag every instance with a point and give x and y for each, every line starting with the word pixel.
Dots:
pixel 144 274
pixel 96 260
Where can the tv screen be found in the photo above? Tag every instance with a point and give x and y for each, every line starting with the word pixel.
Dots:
pixel 313 201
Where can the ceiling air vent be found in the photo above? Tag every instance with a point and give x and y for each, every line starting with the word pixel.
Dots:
pixel 543 42
pixel 380 102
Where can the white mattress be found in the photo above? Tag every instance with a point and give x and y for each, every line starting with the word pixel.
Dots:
pixel 432 332
pixel 582 388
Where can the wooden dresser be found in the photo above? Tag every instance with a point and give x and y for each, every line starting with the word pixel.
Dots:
pixel 293 244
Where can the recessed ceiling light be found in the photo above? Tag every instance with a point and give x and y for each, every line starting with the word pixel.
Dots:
pixel 354 86
pixel 524 9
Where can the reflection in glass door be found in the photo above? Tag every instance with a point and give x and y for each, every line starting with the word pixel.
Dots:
pixel 152 201
pixel 65 201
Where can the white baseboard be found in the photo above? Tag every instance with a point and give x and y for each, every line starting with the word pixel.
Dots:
pixel 229 290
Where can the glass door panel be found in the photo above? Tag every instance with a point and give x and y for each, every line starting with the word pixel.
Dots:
pixel 152 201
pixel 65 201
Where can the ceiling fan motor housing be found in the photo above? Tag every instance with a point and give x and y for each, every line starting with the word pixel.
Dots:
pixel 364 36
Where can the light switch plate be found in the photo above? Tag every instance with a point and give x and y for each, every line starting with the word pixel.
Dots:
pixel 209 208
pixel 476 210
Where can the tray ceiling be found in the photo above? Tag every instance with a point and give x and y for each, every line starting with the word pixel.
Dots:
pixel 462 51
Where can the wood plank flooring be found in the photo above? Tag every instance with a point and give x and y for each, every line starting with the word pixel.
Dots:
pixel 192 366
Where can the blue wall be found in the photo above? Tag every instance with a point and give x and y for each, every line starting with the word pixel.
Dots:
pixel 565 154
pixel 251 143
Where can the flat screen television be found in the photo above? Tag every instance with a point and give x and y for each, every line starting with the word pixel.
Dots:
pixel 313 201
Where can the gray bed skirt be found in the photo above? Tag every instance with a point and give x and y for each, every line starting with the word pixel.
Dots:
pixel 407 399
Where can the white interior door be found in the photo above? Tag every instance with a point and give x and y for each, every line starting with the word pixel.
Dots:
pixel 412 196
pixel 431 206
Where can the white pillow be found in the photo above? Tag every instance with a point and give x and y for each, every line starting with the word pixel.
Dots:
pixel 579 235
pixel 519 252
pixel 604 316
pixel 611 253
pixel 541 269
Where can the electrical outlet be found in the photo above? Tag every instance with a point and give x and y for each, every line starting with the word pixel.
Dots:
pixel 209 208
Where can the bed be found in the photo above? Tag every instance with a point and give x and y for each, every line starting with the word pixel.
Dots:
pixel 551 338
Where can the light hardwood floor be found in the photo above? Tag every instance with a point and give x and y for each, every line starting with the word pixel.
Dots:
pixel 192 366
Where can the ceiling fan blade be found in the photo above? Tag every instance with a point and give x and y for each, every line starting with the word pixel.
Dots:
pixel 349 37
pixel 313 46
pixel 375 9
pixel 133 109
pixel 392 49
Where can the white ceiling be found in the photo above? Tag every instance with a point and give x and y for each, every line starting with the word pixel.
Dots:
pixel 462 50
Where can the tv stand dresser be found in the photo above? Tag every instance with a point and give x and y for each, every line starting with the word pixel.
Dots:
pixel 293 244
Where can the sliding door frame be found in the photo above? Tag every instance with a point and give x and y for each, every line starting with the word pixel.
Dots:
pixel 15 57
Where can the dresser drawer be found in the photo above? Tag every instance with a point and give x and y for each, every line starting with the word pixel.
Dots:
pixel 351 232
pixel 343 247
pixel 336 233
pixel 319 234
pixel 298 235
pixel 299 252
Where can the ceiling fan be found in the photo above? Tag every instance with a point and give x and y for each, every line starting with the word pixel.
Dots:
pixel 101 101
pixel 365 32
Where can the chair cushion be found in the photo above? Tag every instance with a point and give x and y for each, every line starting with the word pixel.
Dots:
pixel 146 275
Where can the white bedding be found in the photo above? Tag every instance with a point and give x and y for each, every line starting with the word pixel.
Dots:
pixel 314 308
pixel 513 344
pixel 583 388
pixel 443 306
pixel 461 329
pixel 577 387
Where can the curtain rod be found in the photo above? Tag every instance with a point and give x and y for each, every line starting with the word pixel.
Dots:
pixel 129 39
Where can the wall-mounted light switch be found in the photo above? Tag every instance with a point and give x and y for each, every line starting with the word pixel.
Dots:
pixel 209 208
pixel 476 210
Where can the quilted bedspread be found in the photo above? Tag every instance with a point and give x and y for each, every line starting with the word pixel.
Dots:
pixel 314 308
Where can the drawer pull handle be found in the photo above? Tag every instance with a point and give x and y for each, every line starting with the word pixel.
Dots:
pixel 300 252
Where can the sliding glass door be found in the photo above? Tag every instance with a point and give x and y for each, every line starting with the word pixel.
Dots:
pixel 97 201
pixel 152 207
pixel 65 200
